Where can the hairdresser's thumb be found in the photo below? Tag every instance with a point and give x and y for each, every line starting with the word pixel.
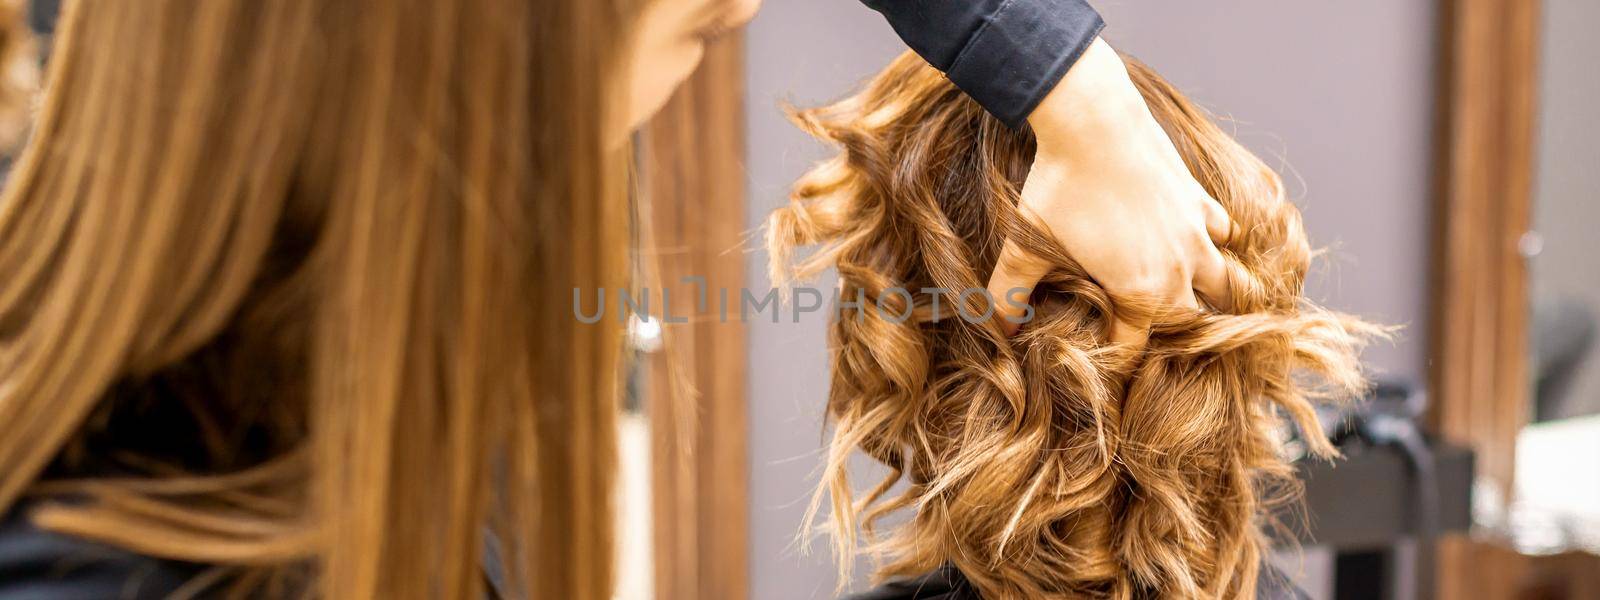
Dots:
pixel 1015 275
pixel 1132 335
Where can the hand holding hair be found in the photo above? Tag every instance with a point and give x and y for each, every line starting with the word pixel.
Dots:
pixel 1109 186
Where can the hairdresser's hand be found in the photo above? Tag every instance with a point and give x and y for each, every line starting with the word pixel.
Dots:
pixel 1108 184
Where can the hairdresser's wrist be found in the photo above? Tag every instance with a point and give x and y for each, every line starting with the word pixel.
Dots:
pixel 1094 105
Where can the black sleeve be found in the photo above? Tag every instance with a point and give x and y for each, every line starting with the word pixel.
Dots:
pixel 1006 54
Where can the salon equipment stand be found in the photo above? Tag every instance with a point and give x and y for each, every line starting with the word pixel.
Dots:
pixel 1370 503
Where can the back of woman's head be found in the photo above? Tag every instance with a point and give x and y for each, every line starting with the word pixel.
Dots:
pixel 283 288
pixel 1052 464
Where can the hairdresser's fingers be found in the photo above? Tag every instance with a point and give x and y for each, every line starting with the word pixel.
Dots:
pixel 1218 224
pixel 1211 279
pixel 1015 275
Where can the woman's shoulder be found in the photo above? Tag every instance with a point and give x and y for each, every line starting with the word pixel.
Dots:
pixel 944 583
pixel 947 583
pixel 38 565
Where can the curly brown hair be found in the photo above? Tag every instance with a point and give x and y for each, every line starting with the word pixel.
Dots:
pixel 1051 464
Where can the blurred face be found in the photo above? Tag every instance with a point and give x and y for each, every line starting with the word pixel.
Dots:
pixel 672 36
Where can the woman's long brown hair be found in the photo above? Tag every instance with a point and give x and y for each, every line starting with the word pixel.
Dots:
pixel 1053 464
pixel 19 74
pixel 285 288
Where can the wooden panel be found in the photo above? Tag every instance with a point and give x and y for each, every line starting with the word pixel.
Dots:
pixel 1479 348
pixel 1503 574
pixel 692 178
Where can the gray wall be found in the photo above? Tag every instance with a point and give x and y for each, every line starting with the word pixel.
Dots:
pixel 1335 94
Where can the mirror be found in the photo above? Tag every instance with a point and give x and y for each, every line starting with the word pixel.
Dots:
pixel 1555 506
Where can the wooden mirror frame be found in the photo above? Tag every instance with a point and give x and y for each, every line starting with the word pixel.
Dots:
pixel 691 160
pixel 1487 90
pixel 1487 110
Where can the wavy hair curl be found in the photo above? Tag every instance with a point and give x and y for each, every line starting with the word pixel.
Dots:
pixel 1051 464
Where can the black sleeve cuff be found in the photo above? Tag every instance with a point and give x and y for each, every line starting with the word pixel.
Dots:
pixel 1006 54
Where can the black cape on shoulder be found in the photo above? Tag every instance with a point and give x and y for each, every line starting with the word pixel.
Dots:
pixel 40 565
pixel 946 583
